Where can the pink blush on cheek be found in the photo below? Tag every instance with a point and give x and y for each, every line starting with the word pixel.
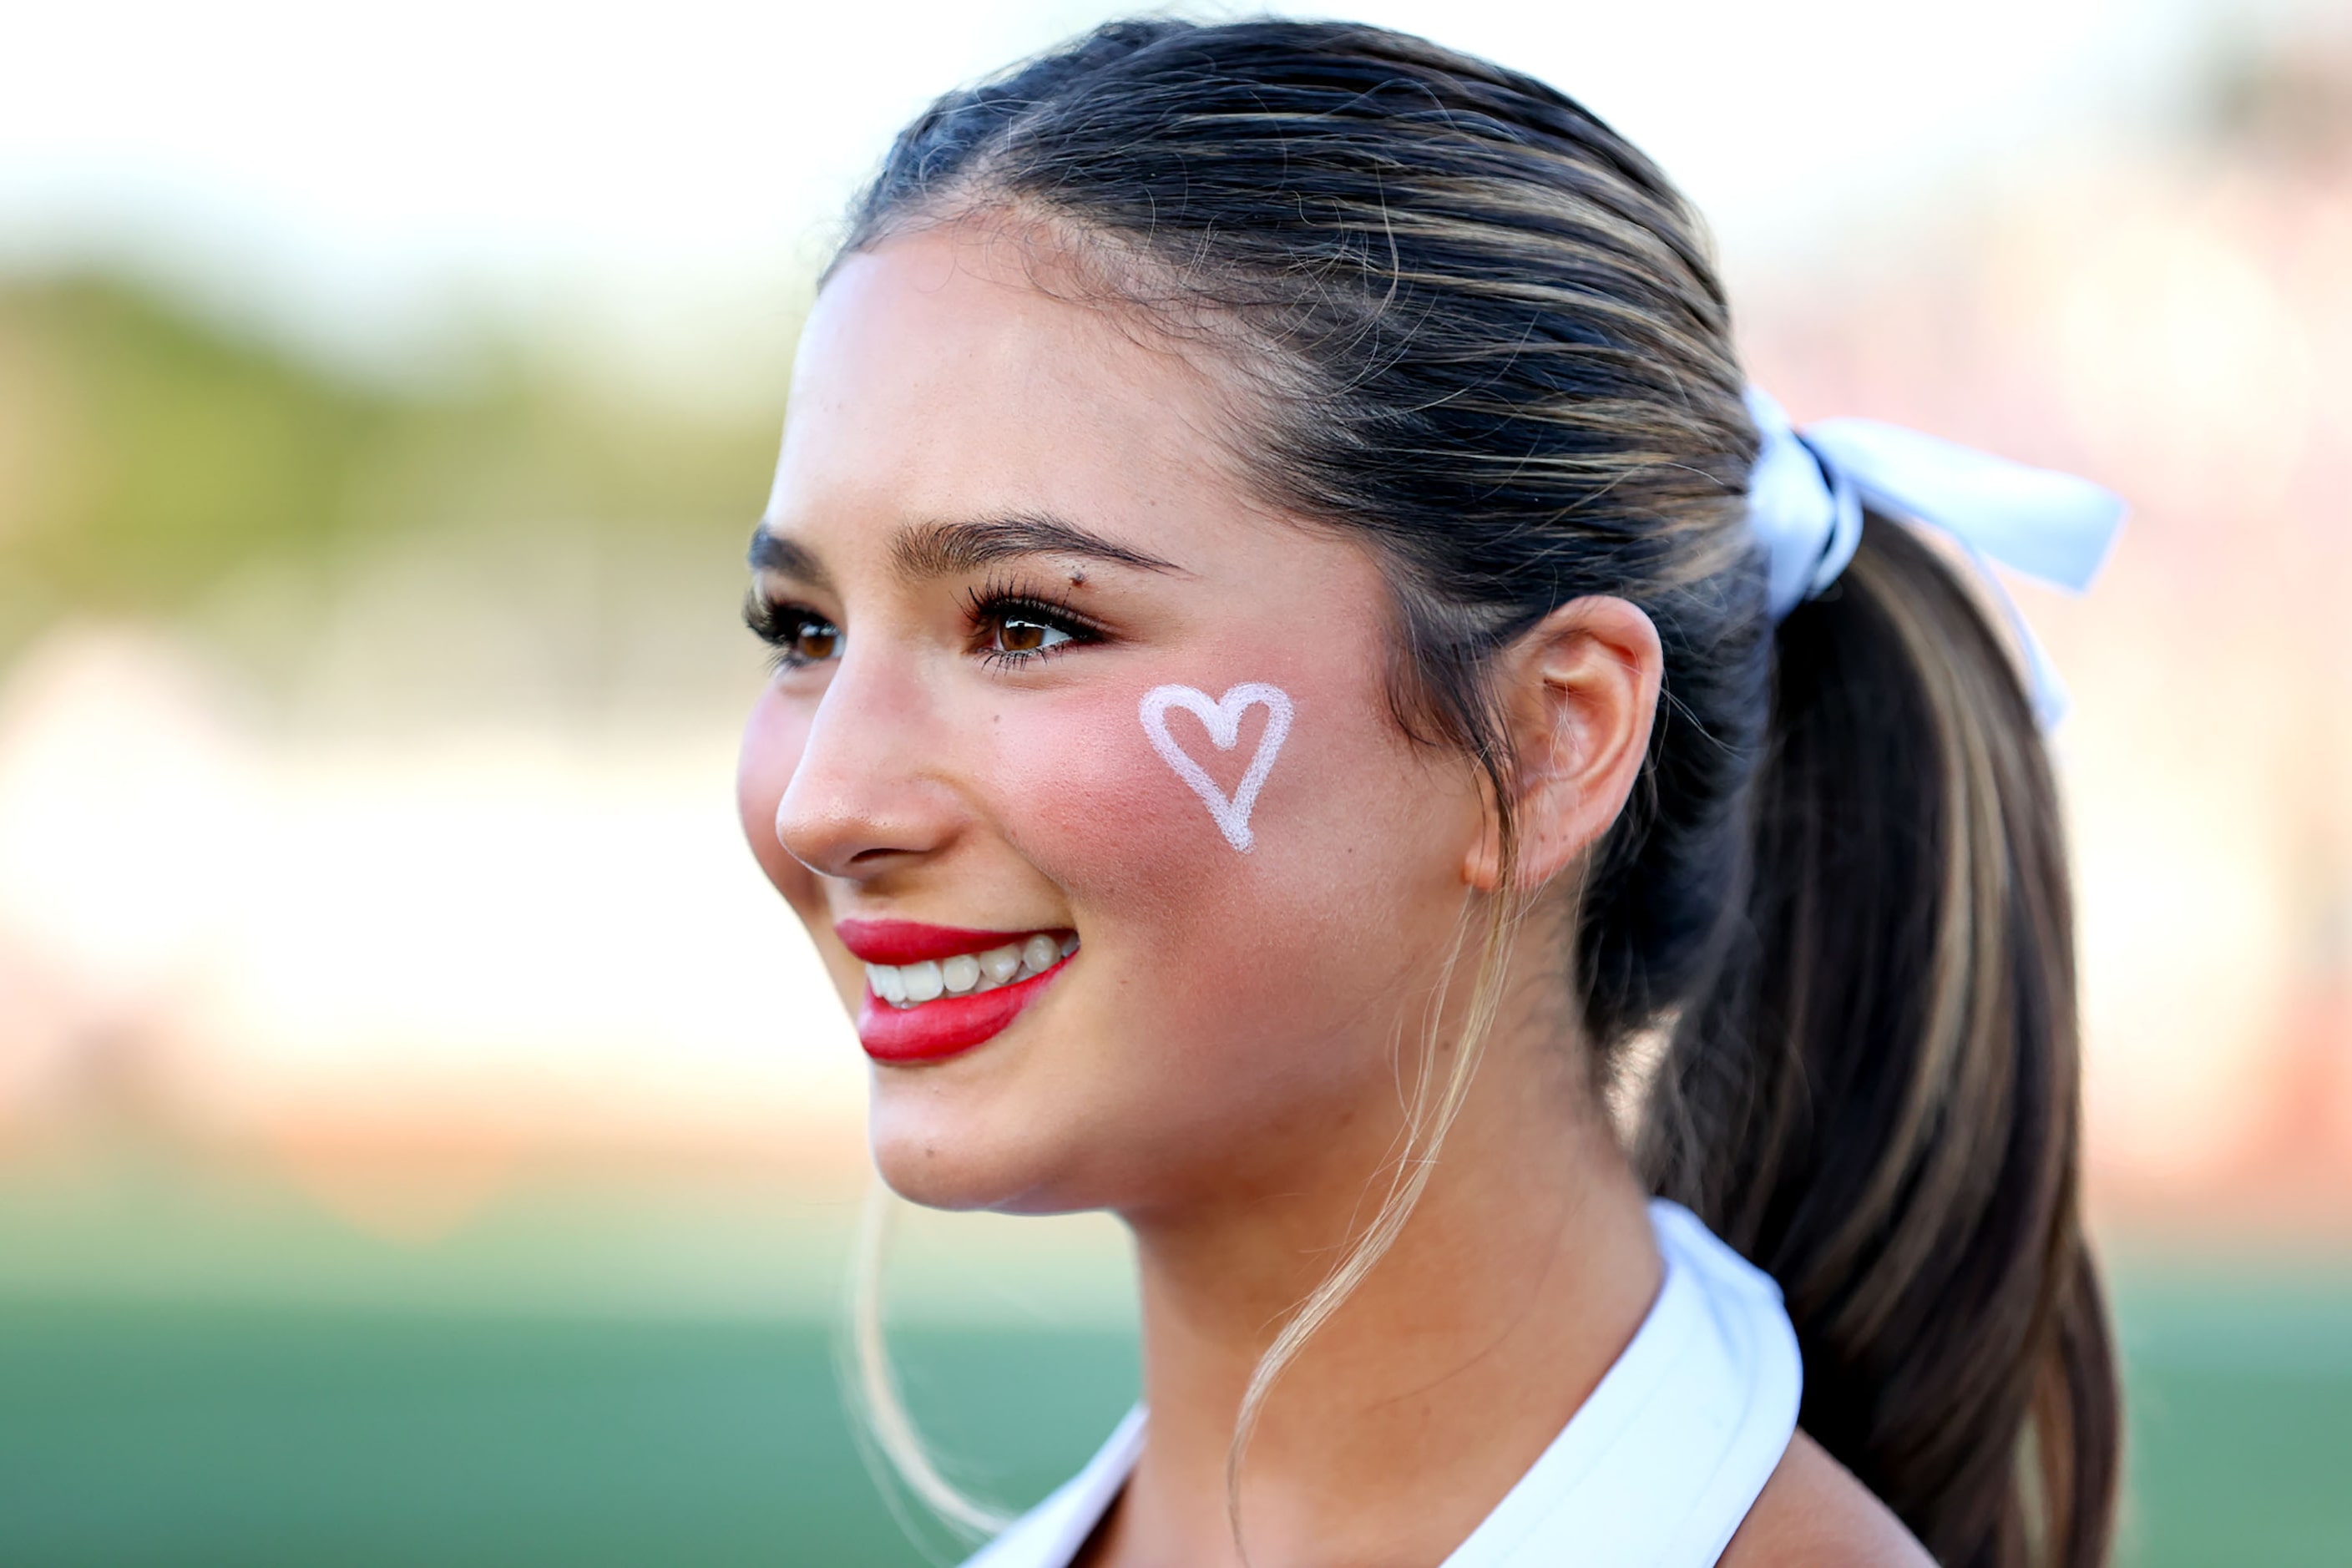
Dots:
pixel 774 737
pixel 1079 789
pixel 1214 986
pixel 1085 799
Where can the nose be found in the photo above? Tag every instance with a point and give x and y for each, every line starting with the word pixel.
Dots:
pixel 870 790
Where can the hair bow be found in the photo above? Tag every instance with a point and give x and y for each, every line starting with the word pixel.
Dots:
pixel 1807 490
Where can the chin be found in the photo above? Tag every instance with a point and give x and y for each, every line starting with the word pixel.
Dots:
pixel 942 1178
pixel 935 1148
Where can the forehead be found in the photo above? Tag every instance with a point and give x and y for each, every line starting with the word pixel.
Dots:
pixel 945 372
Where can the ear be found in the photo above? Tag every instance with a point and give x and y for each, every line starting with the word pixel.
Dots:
pixel 1578 694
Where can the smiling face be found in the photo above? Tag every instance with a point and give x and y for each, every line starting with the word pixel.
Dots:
pixel 1003 536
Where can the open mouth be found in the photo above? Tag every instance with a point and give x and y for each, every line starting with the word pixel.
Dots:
pixel 967 974
pixel 935 991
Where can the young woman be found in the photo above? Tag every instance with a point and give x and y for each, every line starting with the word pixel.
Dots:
pixel 1299 663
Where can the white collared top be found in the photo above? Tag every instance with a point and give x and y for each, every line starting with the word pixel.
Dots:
pixel 1656 1468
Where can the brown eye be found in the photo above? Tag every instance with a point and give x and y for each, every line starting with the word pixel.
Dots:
pixel 814 641
pixel 1026 636
pixel 1015 636
pixel 1009 629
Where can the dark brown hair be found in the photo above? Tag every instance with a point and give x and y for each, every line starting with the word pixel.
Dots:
pixel 1480 330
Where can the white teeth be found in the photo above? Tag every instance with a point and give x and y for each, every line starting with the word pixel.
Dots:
pixel 923 980
pixel 967 974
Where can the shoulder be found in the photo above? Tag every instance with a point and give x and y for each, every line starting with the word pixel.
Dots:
pixel 1814 1512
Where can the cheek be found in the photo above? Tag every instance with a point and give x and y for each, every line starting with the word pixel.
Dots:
pixel 773 738
pixel 1351 877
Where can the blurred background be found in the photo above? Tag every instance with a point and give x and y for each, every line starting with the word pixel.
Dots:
pixel 424 1137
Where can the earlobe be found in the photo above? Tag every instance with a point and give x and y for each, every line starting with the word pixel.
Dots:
pixel 1580 695
pixel 1482 867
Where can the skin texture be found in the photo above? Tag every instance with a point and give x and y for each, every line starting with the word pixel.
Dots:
pixel 1220 1064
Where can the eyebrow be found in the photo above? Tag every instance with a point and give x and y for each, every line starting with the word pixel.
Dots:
pixel 788 558
pixel 930 550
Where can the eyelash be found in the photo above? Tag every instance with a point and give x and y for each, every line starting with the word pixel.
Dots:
pixel 1001 600
pixel 780 624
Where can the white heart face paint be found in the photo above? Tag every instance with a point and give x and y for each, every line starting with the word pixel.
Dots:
pixel 1224 718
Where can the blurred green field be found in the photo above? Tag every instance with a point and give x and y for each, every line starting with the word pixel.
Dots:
pixel 227 1432
pixel 204 1435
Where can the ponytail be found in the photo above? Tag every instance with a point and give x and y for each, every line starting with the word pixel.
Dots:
pixel 1876 1097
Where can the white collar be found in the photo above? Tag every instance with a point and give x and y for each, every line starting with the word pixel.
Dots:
pixel 1656 1468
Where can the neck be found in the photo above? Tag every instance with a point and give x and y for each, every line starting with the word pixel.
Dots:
pixel 1521 1275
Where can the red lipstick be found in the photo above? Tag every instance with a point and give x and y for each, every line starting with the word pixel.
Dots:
pixel 910 941
pixel 945 1026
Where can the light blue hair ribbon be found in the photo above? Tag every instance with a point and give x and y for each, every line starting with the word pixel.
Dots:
pixel 1807 492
